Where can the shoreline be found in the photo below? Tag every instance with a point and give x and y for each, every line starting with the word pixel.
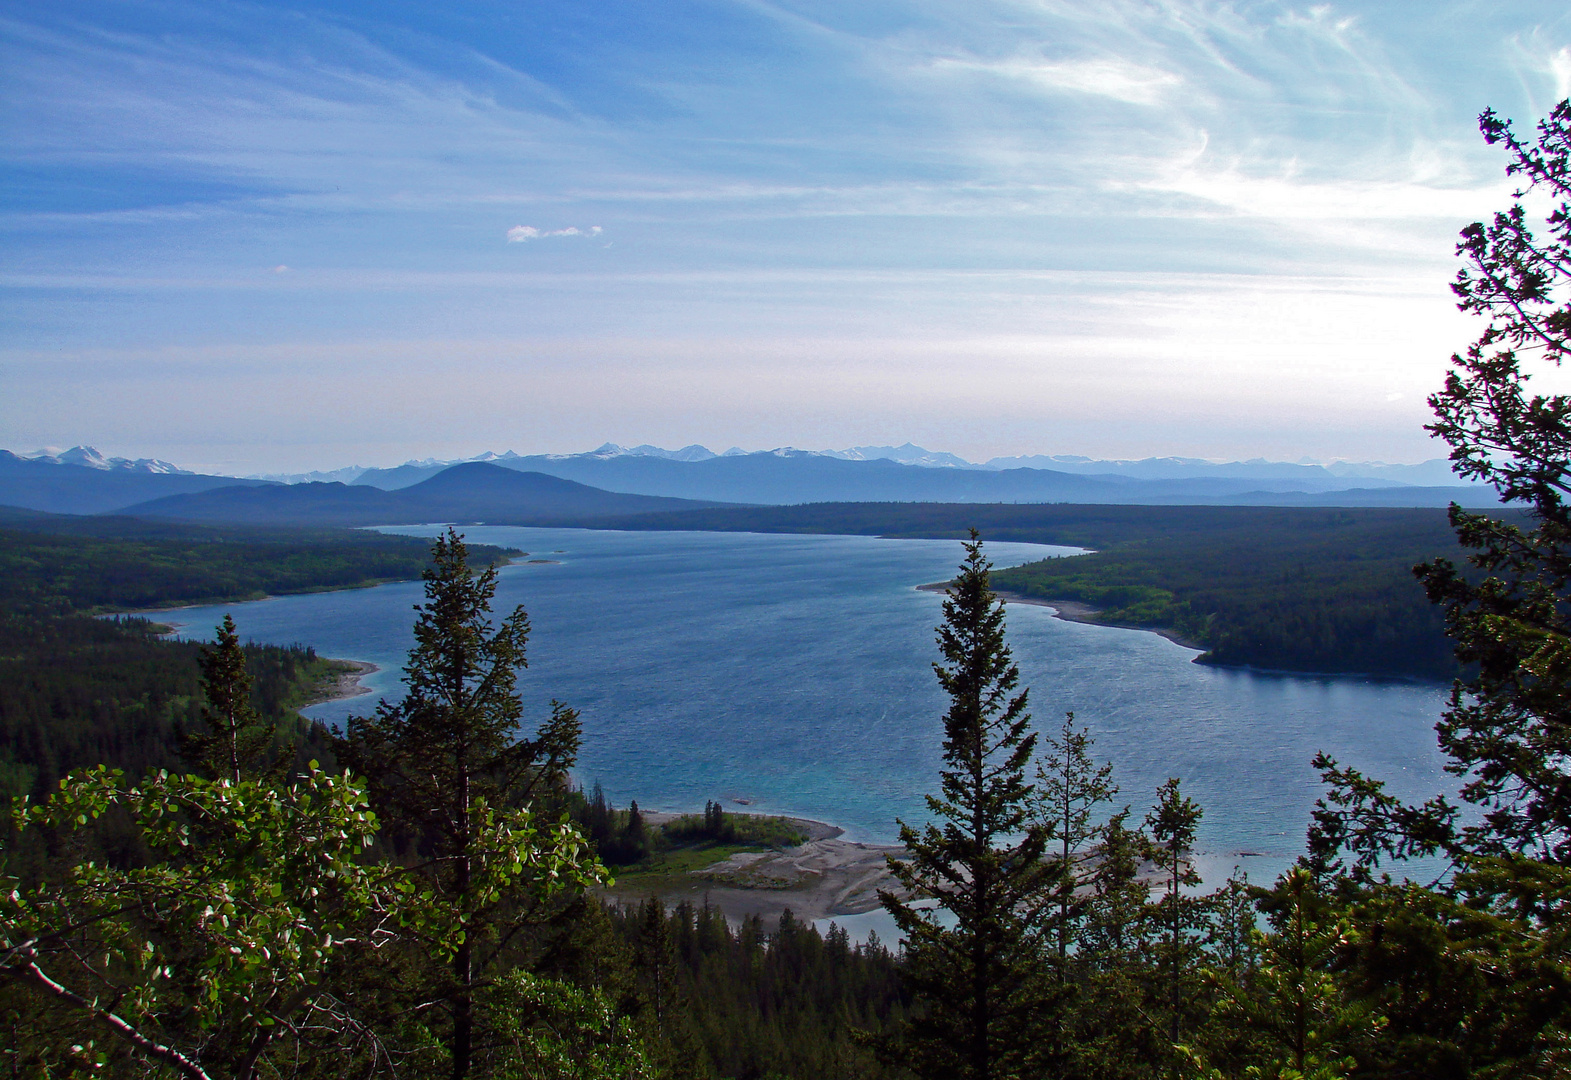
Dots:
pixel 345 683
pixel 821 878
pixel 1076 611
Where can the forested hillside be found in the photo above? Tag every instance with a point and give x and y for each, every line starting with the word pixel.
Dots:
pixel 571 987
pixel 78 691
pixel 1338 599
pixel 60 563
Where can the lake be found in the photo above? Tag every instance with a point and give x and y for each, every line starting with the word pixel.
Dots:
pixel 792 675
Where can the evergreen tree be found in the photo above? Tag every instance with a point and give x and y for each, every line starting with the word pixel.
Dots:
pixel 1469 973
pixel 976 981
pixel 1286 994
pixel 237 741
pixel 1508 729
pixel 1069 788
pixel 1114 1031
pixel 635 837
pixel 447 767
pixel 1181 917
pixel 655 962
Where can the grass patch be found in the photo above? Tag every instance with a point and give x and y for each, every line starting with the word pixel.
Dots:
pixel 677 861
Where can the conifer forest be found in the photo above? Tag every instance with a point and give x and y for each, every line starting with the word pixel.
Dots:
pixel 199 884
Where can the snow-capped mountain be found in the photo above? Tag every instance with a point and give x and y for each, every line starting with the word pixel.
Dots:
pixel 89 457
pixel 1309 474
pixel 908 454
pixel 347 475
pixel 610 450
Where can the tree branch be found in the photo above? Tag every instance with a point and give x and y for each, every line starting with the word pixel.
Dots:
pixel 30 972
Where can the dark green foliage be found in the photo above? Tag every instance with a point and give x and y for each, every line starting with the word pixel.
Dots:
pixel 982 859
pixel 447 755
pixel 122 564
pixel 752 1002
pixel 1470 972
pixel 1110 1028
pixel 1323 590
pixel 236 742
pixel 622 838
pixel 716 826
pixel 1509 729
pixel 1069 789
pixel 76 692
pixel 1179 918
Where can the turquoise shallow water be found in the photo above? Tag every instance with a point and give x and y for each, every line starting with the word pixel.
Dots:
pixel 794 672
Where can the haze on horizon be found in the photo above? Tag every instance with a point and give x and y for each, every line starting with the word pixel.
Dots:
pixel 259 237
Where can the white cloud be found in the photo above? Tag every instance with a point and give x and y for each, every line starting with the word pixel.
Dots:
pixel 519 234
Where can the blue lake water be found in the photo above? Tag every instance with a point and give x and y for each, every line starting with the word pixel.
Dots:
pixel 794 672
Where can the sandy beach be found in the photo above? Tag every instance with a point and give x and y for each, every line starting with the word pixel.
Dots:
pixel 822 878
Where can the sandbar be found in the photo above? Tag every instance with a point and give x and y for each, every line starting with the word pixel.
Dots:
pixel 345 683
pixel 823 877
pixel 1075 611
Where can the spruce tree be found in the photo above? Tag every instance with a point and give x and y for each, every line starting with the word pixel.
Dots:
pixel 976 980
pixel 446 760
pixel 236 742
pixel 1180 917
pixel 1069 788
pixel 1117 1034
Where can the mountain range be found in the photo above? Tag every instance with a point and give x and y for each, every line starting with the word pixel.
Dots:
pixel 475 491
pixel 90 458
pixel 612 480
pixel 1285 476
pixel 69 484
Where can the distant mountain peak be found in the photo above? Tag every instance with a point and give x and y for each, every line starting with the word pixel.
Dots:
pixel 906 454
pixel 89 457
pixel 692 452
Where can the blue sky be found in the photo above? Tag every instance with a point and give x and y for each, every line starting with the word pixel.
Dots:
pixel 266 236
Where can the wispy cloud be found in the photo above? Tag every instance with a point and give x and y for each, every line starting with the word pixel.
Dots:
pixel 1108 77
pixel 518 234
pixel 973 169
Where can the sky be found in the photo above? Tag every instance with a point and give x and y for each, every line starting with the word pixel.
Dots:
pixel 250 237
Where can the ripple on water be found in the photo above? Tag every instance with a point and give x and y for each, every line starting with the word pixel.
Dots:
pixel 794 672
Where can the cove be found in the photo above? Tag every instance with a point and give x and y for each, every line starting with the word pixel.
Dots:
pixel 792 674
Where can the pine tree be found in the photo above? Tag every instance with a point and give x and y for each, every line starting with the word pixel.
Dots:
pixel 976 981
pixel 447 760
pixel 1287 996
pixel 655 961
